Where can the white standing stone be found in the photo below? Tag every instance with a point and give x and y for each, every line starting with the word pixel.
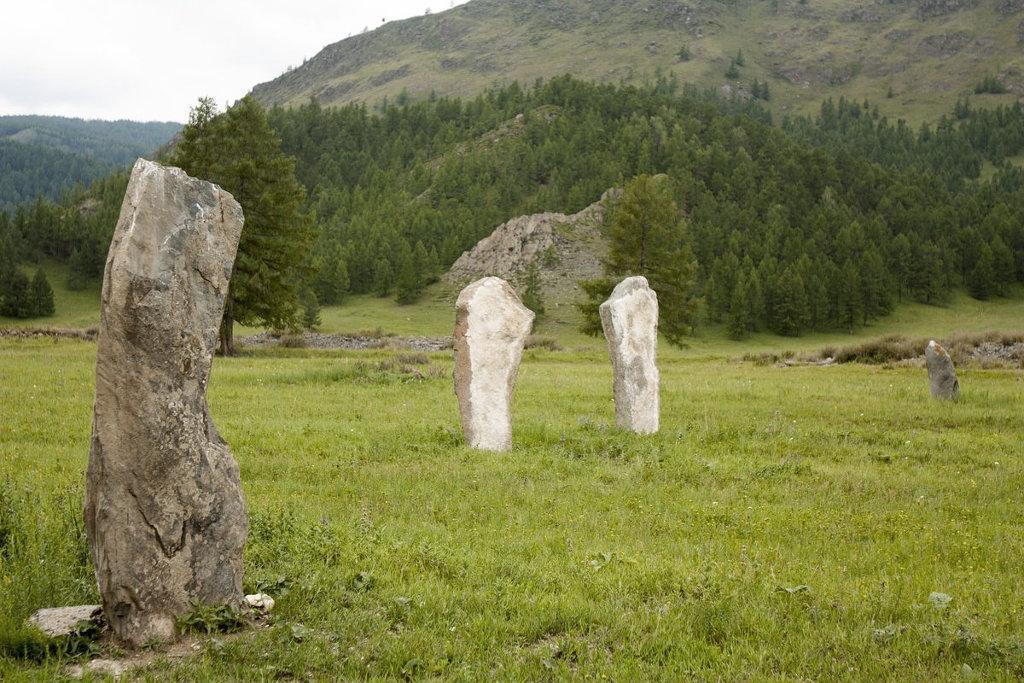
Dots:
pixel 164 510
pixel 630 321
pixel 491 327
pixel 941 373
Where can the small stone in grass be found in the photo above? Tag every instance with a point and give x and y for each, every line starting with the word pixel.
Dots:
pixel 65 621
pixel 260 602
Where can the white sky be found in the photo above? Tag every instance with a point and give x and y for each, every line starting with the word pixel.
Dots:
pixel 152 59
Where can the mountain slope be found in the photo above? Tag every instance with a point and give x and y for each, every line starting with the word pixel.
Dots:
pixel 925 51
pixel 47 154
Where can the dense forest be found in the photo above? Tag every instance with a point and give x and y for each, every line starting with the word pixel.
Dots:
pixel 46 155
pixel 818 223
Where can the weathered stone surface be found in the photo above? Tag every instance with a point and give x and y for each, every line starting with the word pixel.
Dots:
pixel 164 510
pixel 64 621
pixel 630 321
pixel 941 373
pixel 491 326
pixel 566 248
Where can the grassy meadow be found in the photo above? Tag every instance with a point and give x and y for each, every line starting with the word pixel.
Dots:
pixel 786 524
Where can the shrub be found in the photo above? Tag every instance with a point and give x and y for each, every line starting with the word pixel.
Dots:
pixel 293 341
pixel 536 341
pixel 990 85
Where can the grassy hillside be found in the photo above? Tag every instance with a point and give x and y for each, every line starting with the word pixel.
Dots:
pixel 925 51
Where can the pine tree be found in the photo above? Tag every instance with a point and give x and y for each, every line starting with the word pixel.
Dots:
pixel 718 291
pixel 850 302
pixel 239 151
pixel 737 322
pixel 408 285
pixel 533 294
pixel 331 281
pixel 925 273
pixel 648 237
pixel 900 257
pixel 755 300
pixel 790 311
pixel 41 295
pixel 1004 265
pixel 17 301
pixel 981 281
pixel 310 310
pixel 383 278
pixel 875 285
pixel 421 264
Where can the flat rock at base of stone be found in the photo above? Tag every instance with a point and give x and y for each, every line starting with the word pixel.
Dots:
pixel 630 322
pixel 107 668
pixel 941 372
pixel 164 511
pixel 59 622
pixel 491 327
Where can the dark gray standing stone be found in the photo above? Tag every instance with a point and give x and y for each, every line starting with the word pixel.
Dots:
pixel 164 510
pixel 941 373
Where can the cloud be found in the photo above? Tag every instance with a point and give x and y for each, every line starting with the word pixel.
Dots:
pixel 151 59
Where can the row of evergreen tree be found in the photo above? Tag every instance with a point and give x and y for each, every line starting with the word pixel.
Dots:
pixel 954 150
pixel 21 297
pixel 822 223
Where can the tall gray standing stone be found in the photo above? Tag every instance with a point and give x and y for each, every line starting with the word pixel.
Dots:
pixel 941 373
pixel 630 322
pixel 164 511
pixel 491 327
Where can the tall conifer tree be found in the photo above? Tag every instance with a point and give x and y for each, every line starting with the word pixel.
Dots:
pixel 239 151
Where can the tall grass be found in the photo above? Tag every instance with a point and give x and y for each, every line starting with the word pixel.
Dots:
pixel 44 562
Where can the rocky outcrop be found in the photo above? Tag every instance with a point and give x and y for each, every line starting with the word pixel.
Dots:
pixel 566 249
pixel 941 373
pixel 945 45
pixel 630 322
pixel 491 327
pixel 1008 7
pixel 929 9
pixel 164 510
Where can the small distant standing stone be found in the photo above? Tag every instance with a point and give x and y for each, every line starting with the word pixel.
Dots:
pixel 164 510
pixel 941 372
pixel 630 321
pixel 491 327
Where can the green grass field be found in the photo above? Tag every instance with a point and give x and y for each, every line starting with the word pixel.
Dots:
pixel 786 524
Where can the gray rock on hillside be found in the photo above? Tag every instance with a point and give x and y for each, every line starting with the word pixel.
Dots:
pixel 941 373
pixel 164 511
pixel 630 322
pixel 491 327
pixel 566 248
